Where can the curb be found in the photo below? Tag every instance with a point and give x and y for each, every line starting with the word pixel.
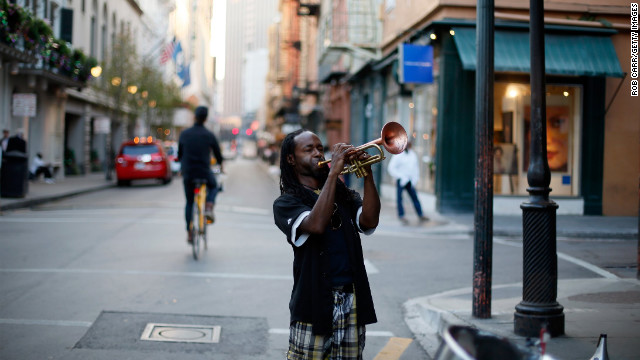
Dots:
pixel 428 323
pixel 429 317
pixel 44 199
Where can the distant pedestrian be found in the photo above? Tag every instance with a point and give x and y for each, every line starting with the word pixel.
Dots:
pixel 322 219
pixel 38 166
pixel 404 168
pixel 5 140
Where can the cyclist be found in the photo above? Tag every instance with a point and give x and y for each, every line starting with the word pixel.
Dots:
pixel 194 153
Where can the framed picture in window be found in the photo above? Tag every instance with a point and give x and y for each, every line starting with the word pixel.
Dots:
pixel 558 125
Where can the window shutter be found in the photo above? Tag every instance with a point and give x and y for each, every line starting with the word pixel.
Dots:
pixel 66 24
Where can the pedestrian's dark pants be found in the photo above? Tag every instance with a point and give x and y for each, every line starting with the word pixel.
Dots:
pixel 212 191
pixel 412 193
pixel 42 170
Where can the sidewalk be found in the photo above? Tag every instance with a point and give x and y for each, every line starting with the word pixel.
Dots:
pixel 40 192
pixel 591 307
pixel 605 304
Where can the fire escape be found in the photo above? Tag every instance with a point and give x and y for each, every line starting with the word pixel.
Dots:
pixel 349 36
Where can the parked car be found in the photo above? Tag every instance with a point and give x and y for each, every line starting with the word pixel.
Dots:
pixel 171 148
pixel 142 160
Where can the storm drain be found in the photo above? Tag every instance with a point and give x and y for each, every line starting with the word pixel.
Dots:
pixel 181 333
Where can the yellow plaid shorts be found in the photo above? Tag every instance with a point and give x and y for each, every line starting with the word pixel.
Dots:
pixel 346 342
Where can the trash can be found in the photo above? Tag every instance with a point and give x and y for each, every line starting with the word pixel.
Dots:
pixel 14 178
pixel 467 343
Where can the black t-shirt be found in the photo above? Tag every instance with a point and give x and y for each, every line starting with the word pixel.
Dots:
pixel 194 151
pixel 325 260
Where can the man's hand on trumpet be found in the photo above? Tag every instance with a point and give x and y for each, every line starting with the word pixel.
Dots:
pixel 347 155
pixel 340 154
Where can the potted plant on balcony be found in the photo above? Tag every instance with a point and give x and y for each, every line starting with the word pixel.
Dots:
pixel 78 60
pixel 59 57
pixel 36 34
pixel 11 22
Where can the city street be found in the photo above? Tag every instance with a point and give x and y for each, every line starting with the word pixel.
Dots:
pixel 80 278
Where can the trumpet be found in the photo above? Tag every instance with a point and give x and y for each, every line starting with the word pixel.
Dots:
pixel 393 137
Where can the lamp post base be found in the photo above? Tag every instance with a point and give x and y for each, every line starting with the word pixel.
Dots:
pixel 528 320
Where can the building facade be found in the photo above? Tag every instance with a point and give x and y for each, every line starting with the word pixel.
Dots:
pixel 587 56
pixel 73 123
pixel 592 126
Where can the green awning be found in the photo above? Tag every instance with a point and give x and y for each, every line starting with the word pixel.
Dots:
pixel 565 54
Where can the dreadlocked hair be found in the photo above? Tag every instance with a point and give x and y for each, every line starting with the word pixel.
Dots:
pixel 289 183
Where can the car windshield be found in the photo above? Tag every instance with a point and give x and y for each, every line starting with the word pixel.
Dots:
pixel 139 150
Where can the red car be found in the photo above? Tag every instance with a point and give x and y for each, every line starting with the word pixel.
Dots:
pixel 138 159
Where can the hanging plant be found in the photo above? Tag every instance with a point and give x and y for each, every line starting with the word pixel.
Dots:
pixel 37 34
pixel 4 21
pixel 59 56
pixel 14 16
pixel 78 60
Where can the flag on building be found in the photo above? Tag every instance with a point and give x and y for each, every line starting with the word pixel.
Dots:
pixel 184 74
pixel 168 52
pixel 177 50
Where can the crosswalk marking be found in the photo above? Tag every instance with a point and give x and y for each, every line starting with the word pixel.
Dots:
pixel 154 273
pixel 394 349
pixel 280 331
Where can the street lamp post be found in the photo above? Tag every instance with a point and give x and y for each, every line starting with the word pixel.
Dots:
pixel 483 199
pixel 539 307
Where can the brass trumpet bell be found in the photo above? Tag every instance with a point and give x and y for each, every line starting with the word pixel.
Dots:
pixel 393 137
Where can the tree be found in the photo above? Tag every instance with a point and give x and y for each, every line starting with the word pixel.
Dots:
pixel 136 87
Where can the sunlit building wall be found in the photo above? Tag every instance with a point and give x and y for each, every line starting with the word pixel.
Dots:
pixel 246 31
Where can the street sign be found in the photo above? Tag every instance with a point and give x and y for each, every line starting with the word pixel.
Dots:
pixel 24 105
pixel 102 125
pixel 416 64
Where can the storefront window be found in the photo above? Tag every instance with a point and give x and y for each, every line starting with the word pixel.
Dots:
pixel 512 136
pixel 422 133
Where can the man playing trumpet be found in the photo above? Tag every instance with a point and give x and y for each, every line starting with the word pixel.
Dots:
pixel 322 219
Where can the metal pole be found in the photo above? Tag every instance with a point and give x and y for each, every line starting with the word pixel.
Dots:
pixel 483 193
pixel 539 307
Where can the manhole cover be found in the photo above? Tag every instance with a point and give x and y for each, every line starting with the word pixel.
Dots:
pixel 181 333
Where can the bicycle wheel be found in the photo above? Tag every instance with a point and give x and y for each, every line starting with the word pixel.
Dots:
pixel 196 230
pixel 204 235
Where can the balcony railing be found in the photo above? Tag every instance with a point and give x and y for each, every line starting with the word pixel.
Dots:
pixel 29 43
pixel 347 27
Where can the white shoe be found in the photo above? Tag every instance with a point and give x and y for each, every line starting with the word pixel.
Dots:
pixel 49 181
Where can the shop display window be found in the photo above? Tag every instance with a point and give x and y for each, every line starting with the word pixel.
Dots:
pixel 512 138
pixel 422 131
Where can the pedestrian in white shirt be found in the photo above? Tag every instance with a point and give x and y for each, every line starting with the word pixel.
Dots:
pixel 38 167
pixel 404 168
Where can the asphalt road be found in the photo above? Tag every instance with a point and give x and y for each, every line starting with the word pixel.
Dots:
pixel 81 278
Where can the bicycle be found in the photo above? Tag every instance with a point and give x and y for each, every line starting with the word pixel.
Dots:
pixel 199 222
pixel 198 226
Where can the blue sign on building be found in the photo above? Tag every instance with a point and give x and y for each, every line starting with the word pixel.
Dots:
pixel 416 64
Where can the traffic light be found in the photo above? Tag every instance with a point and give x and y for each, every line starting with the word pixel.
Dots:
pixel 235 131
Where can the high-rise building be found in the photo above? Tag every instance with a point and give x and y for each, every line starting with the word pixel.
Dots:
pixel 246 33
